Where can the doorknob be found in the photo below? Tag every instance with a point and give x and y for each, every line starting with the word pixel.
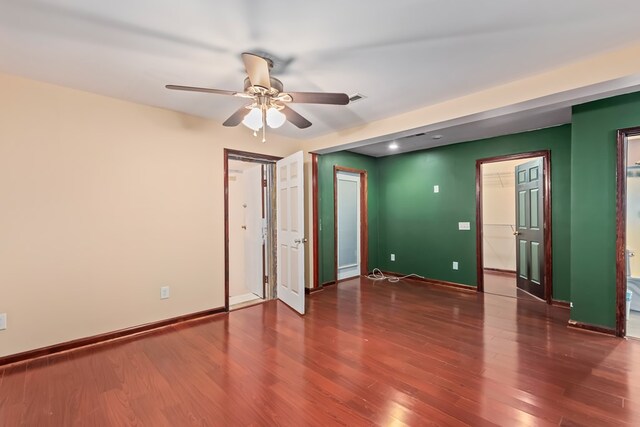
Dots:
pixel 244 227
pixel 516 233
pixel 303 240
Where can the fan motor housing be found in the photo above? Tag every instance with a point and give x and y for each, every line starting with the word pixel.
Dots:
pixel 276 86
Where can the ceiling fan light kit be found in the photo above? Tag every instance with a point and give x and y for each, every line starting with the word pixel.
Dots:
pixel 268 98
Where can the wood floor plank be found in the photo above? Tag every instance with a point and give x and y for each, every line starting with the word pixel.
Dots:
pixel 366 353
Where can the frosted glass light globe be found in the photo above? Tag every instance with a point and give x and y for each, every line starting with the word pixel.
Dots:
pixel 253 120
pixel 275 118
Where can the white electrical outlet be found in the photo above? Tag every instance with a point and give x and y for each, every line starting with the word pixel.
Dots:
pixel 571 305
pixel 455 265
pixel 436 188
pixel 164 292
pixel 3 321
pixel 393 257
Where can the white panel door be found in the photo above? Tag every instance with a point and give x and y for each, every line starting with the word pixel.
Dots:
pixel 348 224
pixel 290 235
pixel 254 232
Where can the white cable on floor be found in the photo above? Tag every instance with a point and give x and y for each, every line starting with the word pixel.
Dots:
pixel 376 274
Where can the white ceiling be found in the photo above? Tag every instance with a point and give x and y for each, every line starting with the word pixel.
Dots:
pixel 402 55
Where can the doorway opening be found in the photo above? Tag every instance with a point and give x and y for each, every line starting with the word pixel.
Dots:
pixel 249 228
pixel 351 228
pixel 628 234
pixel 266 212
pixel 513 213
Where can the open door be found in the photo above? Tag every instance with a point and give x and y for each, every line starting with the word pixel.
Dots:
pixel 290 234
pixel 529 232
pixel 254 232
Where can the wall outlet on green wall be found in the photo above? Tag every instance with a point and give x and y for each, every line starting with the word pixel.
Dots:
pixel 455 265
pixel 393 257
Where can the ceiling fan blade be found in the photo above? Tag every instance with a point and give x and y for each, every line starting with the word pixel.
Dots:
pixel 257 70
pixel 202 89
pixel 296 118
pixel 236 118
pixel 319 98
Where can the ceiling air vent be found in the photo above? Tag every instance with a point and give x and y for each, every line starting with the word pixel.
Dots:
pixel 356 97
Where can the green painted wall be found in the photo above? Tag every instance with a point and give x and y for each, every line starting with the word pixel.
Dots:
pixel 593 205
pixel 325 194
pixel 421 227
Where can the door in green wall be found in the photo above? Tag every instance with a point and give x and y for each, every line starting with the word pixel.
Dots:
pixel 348 224
pixel 529 227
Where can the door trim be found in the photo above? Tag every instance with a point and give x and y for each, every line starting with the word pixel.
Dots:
pixel 548 266
pixel 621 227
pixel 316 238
pixel 364 219
pixel 244 156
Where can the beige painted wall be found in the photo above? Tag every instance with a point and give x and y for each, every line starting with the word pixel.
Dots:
pixel 104 201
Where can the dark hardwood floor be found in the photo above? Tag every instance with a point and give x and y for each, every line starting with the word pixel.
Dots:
pixel 388 354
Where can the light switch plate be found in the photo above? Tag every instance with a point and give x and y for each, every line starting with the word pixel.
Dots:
pixel 464 226
pixel 164 292
pixel 393 257
pixel 436 188
pixel 3 321
pixel 455 265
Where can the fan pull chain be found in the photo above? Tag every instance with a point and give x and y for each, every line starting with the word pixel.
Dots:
pixel 264 121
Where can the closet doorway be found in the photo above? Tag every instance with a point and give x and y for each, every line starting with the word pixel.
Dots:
pixel 513 214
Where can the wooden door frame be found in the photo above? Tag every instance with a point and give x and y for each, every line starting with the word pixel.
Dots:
pixel 315 220
pixel 364 219
pixel 245 156
pixel 548 264
pixel 621 227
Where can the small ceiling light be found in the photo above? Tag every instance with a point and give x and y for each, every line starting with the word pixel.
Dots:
pixel 253 120
pixel 393 146
pixel 436 137
pixel 275 118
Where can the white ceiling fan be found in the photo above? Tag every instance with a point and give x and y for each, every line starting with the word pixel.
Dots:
pixel 269 101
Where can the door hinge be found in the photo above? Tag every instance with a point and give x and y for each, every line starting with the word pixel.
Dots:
pixel 264 183
pixel 266 280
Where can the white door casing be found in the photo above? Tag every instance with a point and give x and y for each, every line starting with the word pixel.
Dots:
pixel 290 230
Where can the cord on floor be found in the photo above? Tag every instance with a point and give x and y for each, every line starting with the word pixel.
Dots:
pixel 378 275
